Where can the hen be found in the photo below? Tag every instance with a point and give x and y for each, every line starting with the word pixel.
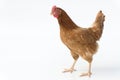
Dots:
pixel 80 41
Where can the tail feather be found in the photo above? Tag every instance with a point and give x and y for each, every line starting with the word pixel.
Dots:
pixel 98 25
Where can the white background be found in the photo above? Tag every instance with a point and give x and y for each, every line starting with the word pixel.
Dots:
pixel 30 47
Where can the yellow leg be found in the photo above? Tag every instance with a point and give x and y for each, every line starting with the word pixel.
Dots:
pixel 88 73
pixel 72 68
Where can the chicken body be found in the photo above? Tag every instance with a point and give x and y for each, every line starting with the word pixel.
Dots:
pixel 80 41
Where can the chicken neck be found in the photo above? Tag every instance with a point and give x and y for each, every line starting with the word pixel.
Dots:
pixel 66 22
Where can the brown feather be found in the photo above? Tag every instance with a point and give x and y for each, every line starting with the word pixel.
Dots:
pixel 81 41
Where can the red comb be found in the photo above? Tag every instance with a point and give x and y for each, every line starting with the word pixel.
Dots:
pixel 53 8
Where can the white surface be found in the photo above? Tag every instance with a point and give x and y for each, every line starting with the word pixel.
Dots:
pixel 30 47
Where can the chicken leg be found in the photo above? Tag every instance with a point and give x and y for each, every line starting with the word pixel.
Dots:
pixel 88 73
pixel 72 68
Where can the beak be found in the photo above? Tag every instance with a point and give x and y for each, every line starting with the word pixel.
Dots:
pixel 51 13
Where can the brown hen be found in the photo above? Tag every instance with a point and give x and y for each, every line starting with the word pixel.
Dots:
pixel 80 41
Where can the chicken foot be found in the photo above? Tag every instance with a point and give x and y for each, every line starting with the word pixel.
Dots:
pixel 71 69
pixel 88 73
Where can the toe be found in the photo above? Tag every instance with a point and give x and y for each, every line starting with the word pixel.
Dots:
pixel 69 70
pixel 86 74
